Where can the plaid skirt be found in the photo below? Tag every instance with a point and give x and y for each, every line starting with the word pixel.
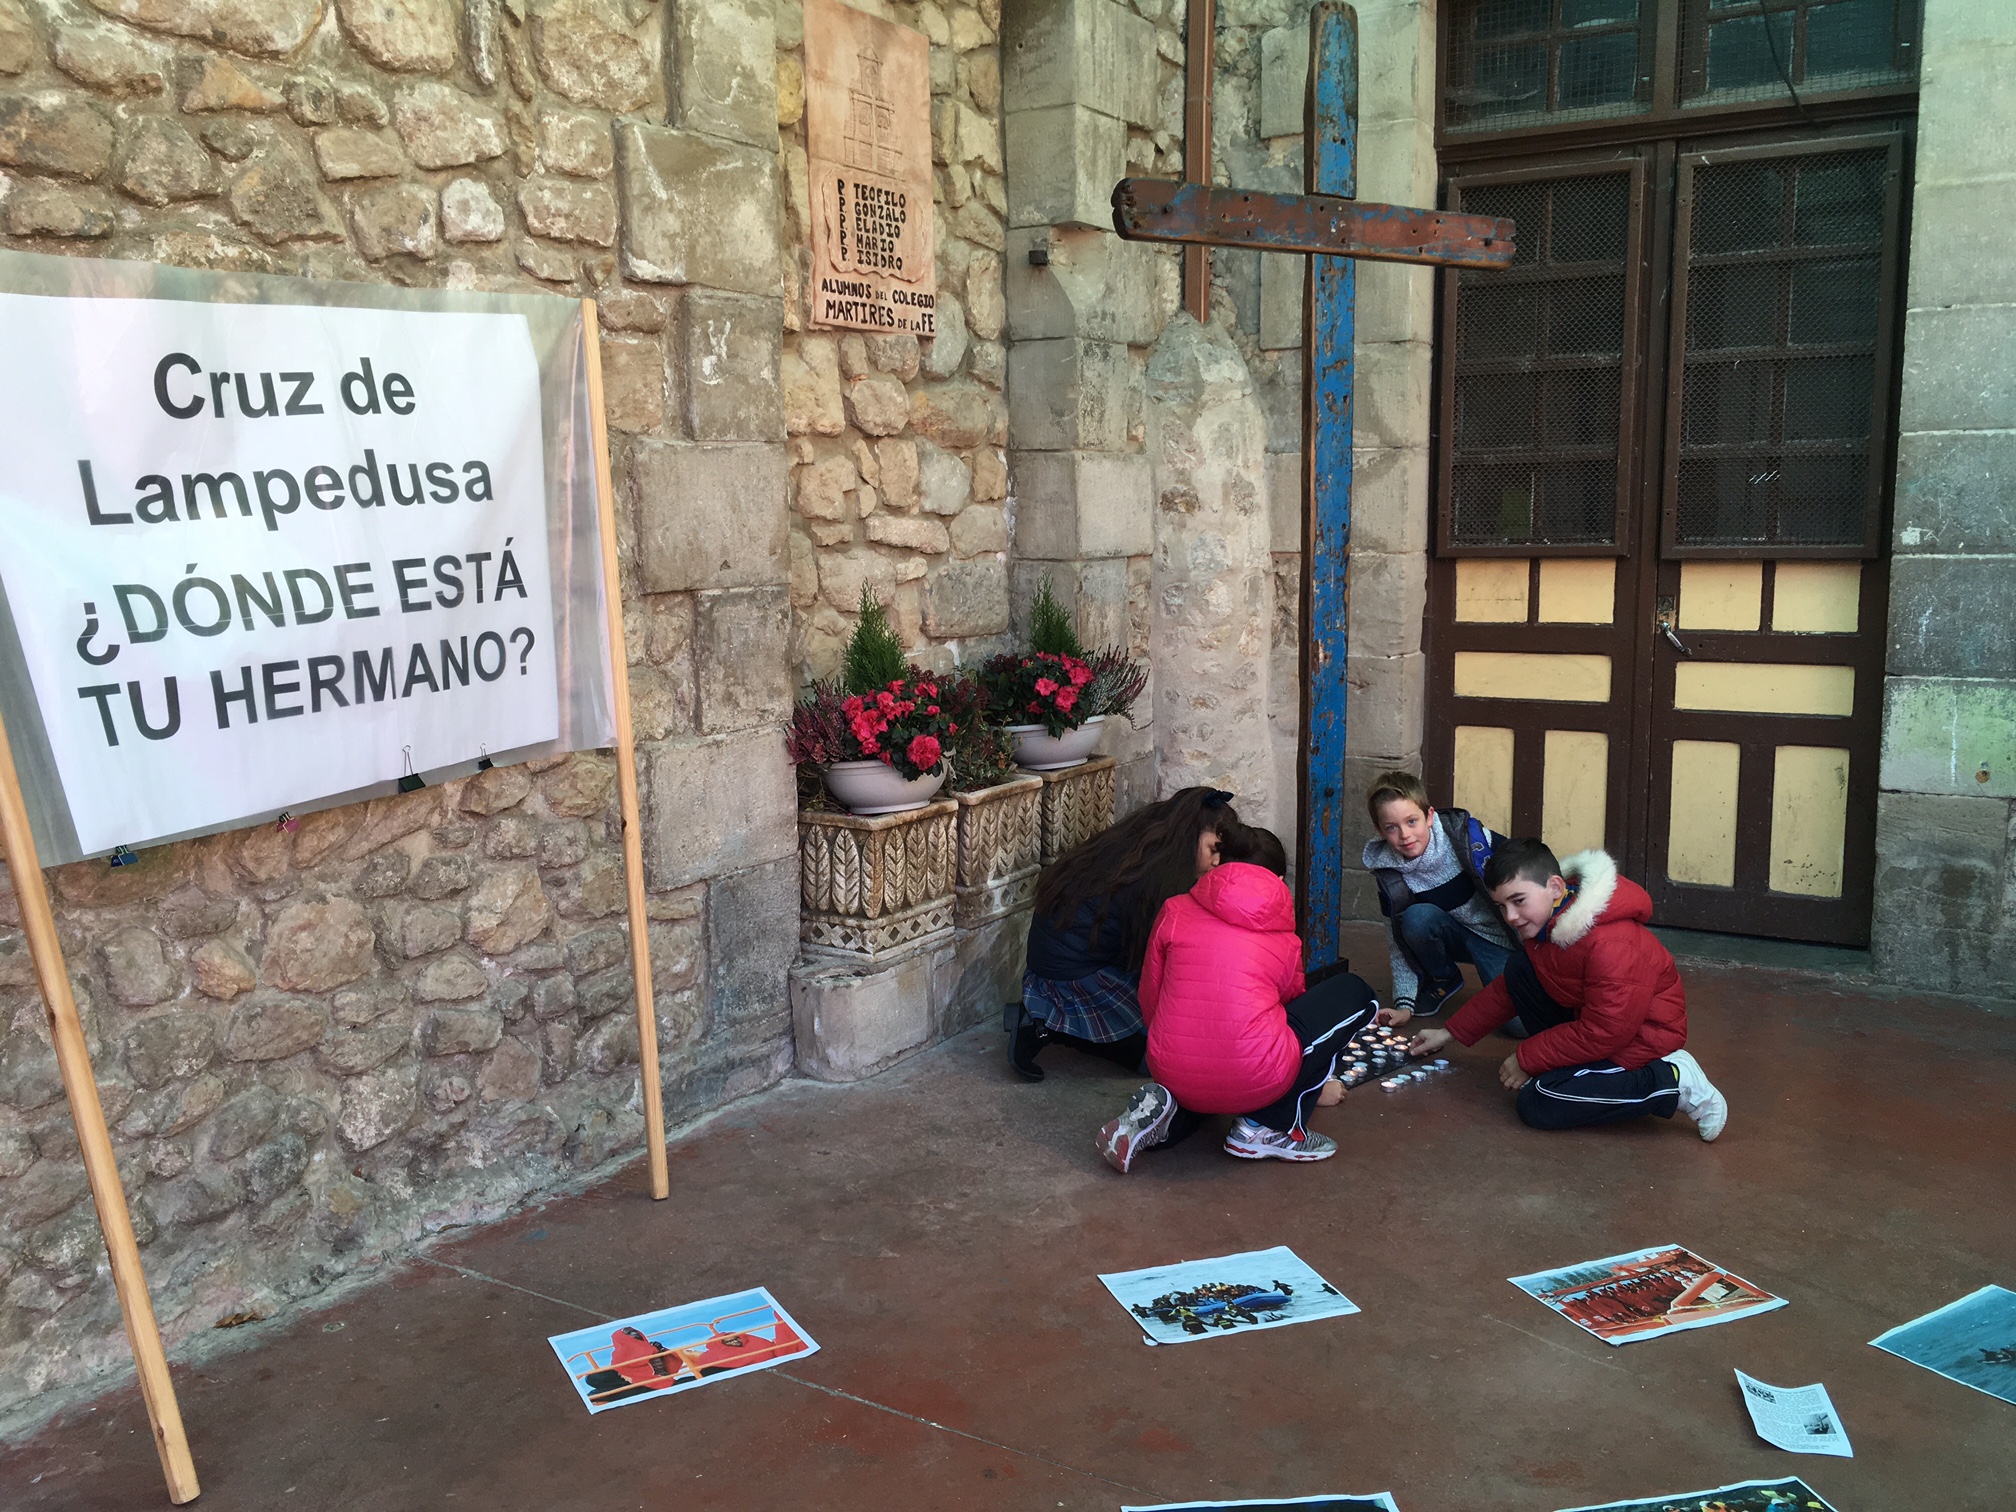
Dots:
pixel 1100 1007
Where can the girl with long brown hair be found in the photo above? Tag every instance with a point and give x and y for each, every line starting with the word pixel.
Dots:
pixel 1095 908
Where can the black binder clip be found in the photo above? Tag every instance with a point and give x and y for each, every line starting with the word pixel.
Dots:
pixel 412 781
pixel 121 856
pixel 483 762
pixel 287 824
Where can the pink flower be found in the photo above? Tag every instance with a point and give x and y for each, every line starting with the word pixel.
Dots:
pixel 1067 698
pixel 1045 686
pixel 931 708
pixel 1080 674
pixel 924 752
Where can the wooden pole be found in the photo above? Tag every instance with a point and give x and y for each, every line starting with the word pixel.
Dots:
pixel 73 1059
pixel 1199 63
pixel 626 768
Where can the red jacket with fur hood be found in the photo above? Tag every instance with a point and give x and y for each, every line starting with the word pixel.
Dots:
pixel 1222 965
pixel 1597 958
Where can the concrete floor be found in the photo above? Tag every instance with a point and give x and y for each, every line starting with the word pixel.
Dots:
pixel 938 1232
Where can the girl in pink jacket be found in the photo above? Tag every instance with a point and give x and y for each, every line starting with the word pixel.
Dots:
pixel 1233 1025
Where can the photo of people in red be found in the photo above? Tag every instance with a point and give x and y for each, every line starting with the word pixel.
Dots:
pixel 678 1348
pixel 1646 1293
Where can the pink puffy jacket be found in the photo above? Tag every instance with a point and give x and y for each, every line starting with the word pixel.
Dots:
pixel 1222 962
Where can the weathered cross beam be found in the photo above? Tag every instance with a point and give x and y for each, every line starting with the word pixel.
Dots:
pixel 1330 227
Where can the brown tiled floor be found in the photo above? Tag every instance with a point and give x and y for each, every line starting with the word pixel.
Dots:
pixel 938 1232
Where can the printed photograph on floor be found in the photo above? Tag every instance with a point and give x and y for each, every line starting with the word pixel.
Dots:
pixel 1972 1341
pixel 1197 1299
pixel 1646 1293
pixel 1380 1501
pixel 1791 1495
pixel 678 1348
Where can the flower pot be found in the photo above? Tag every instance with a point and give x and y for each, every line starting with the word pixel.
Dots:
pixel 1037 750
pixel 880 888
pixel 873 787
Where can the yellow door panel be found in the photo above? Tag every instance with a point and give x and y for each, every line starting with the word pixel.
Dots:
pixel 1483 774
pixel 1809 820
pixel 1532 675
pixel 1763 688
pixel 1816 598
pixel 1491 591
pixel 1578 591
pixel 1721 595
pixel 1575 790
pixel 1701 845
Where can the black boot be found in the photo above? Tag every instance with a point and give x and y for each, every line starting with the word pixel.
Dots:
pixel 1026 1038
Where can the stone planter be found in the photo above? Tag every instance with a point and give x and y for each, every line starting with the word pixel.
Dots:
pixel 1000 849
pixel 1077 804
pixel 875 787
pixel 874 888
pixel 1037 750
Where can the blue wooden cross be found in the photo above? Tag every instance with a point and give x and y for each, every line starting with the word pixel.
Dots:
pixel 1333 229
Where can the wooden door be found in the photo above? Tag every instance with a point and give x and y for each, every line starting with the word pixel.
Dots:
pixel 1691 676
pixel 1767 693
pixel 1534 637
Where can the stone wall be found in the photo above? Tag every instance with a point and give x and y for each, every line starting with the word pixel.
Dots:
pixel 1262 71
pixel 1094 92
pixel 314 1047
pixel 1946 819
pixel 899 481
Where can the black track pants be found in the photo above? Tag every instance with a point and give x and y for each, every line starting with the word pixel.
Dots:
pixel 1600 1092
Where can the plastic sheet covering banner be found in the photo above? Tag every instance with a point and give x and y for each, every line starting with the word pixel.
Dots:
pixel 269 544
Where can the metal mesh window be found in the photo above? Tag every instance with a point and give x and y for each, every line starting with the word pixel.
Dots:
pixel 1781 311
pixel 1517 62
pixel 1773 49
pixel 1537 364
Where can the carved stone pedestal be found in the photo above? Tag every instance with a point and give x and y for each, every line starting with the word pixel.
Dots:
pixel 1077 804
pixel 1000 849
pixel 872 889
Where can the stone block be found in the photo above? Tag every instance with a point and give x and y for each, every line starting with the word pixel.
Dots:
pixel 741 645
pixel 162 163
pixel 1392 404
pixel 169 1047
pixel 958 415
pixel 720 803
pixel 1081 52
pixel 1284 503
pixel 1095 593
pixel 730 350
pixel 103 57
pixel 587 53
pixel 709 515
pixel 1389 596
pixel 852 1022
pixel 509 908
pixel 1284 80
pixel 1396 158
pixel 976 531
pixel 445 128
pixel 697 210
pixel 910 533
pixel 1956 493
pixel 966 599
pixel 575 144
pixel 344 152
pixel 412 36
pixel 944 483
pixel 567 210
pixel 1062 165
pixel 1388 695
pixel 272 1026
pixel 1965 134
pixel 470 213
pixel 1094 286
pixel 633 383
pixel 271 30
pixel 1954 736
pixel 946 349
pixel 54 132
pixel 399 219
pixel 1068 394
pixel 1389 499
pixel 314 946
pixel 752 939
pixel 1941 864
pixel 277 197
pixel 1282 278
pixel 877 404
pixel 1957 376
pixel 723 70
pixel 809 376
pixel 1071 504
pixel 1952 616
pixel 1394 303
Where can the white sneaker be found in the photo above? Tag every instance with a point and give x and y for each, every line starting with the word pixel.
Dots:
pixel 1700 1099
pixel 1143 1125
pixel 1252 1141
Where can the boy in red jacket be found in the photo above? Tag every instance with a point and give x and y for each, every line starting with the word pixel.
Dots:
pixel 1233 1025
pixel 1599 995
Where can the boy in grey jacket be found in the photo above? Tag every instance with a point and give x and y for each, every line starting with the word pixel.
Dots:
pixel 1429 867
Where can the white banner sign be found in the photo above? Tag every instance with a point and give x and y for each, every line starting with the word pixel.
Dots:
pixel 261 554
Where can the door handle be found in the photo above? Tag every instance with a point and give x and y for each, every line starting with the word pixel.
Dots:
pixel 1667 613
